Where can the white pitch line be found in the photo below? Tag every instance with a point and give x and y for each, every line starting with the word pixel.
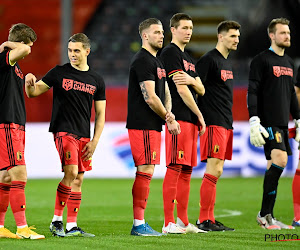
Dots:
pixel 228 213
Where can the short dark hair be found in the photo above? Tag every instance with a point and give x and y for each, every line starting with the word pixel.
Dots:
pixel 81 38
pixel 21 32
pixel 227 25
pixel 147 23
pixel 272 25
pixel 176 18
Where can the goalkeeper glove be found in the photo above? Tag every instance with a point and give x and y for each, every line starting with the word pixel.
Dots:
pixel 256 131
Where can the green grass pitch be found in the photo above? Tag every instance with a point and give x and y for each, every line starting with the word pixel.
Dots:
pixel 106 211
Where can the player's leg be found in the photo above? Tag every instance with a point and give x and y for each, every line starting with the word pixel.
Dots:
pixel 296 196
pixel 145 148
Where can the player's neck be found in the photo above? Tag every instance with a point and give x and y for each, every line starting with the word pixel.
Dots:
pixel 278 50
pixel 179 44
pixel 223 50
pixel 81 67
pixel 152 51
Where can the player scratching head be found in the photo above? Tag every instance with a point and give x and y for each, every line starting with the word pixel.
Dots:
pixel 228 37
pixel 181 26
pixel 280 35
pixel 152 34
pixel 79 48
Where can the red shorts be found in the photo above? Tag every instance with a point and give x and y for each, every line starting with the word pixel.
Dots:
pixel 12 145
pixel 69 147
pixel 145 146
pixel 182 149
pixel 216 142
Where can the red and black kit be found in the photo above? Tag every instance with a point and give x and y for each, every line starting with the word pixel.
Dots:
pixel 174 61
pixel 73 95
pixel 144 67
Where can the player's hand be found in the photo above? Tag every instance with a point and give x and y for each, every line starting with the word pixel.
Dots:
pixel 169 117
pixel 174 127
pixel 256 131
pixel 30 80
pixel 182 78
pixel 297 125
pixel 88 150
pixel 202 125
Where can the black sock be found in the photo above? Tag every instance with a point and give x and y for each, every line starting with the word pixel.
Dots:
pixel 270 189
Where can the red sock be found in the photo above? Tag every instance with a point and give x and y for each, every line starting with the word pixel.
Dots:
pixel 18 202
pixel 170 191
pixel 296 195
pixel 4 201
pixel 207 197
pixel 73 205
pixel 183 193
pixel 62 195
pixel 140 193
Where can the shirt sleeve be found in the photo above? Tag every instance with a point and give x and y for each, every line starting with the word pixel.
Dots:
pixel 255 81
pixel 298 78
pixel 203 67
pixel 100 93
pixel 4 59
pixel 172 62
pixel 144 70
pixel 51 77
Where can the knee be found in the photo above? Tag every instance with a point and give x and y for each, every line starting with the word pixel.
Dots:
pixel 77 183
pixel 70 175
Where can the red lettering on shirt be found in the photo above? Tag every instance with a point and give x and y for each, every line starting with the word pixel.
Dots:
pixel 188 66
pixel 69 84
pixel 226 74
pixel 161 73
pixel 19 72
pixel 282 71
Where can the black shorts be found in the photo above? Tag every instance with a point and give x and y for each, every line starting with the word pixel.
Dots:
pixel 278 139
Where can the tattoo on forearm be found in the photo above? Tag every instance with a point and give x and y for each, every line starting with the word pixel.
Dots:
pixel 144 91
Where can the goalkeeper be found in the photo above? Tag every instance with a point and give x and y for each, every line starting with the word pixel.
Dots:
pixel 271 98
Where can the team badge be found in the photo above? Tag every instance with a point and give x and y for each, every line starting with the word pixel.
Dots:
pixel 216 149
pixel 76 209
pixel 180 154
pixel 154 155
pixel 19 156
pixel 68 155
pixel 223 75
pixel 161 73
pixel 278 137
pixel 276 71
pixel 67 84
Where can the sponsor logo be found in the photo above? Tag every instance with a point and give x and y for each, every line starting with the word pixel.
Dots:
pixel 19 72
pixel 69 84
pixel 161 73
pixel 180 154
pixel 216 149
pixel 278 137
pixel 188 66
pixel 226 74
pixel 282 71
pixel 19 156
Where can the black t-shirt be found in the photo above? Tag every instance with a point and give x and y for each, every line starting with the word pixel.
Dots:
pixel 144 67
pixel 73 95
pixel 298 78
pixel 176 60
pixel 217 77
pixel 271 93
pixel 12 102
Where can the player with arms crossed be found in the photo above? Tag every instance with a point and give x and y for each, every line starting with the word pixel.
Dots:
pixel 271 98
pixel 75 87
pixel 215 71
pixel 13 174
pixel 181 150
pixel 149 104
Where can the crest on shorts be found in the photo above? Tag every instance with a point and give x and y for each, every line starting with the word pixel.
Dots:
pixel 276 71
pixel 216 149
pixel 154 155
pixel 68 155
pixel 67 84
pixel 278 137
pixel 180 154
pixel 19 156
